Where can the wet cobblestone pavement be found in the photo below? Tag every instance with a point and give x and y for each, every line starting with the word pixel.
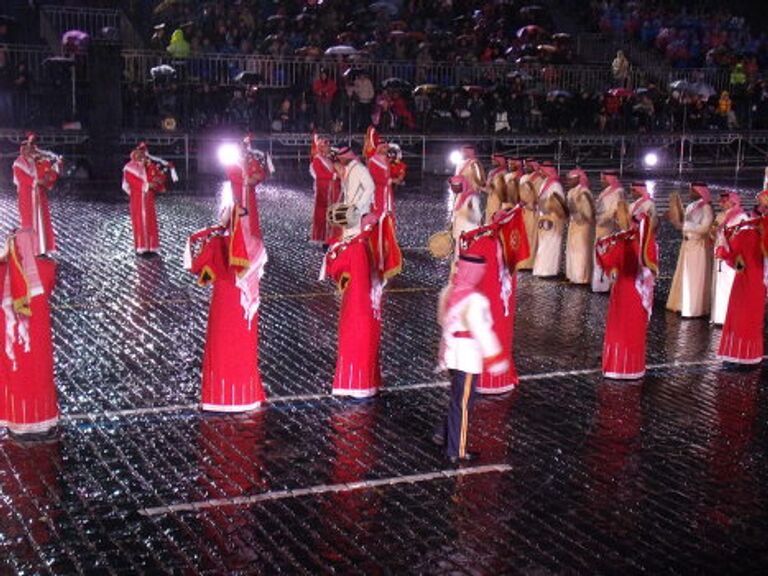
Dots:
pixel 576 475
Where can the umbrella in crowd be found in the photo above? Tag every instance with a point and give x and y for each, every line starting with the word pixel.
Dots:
pixel 74 42
pixel 341 50
pixel 162 72
pixel 249 78
pixel 530 31
pixel 396 83
pixel 425 89
pixel 559 94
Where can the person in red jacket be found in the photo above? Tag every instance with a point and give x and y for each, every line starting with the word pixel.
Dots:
pixel 324 90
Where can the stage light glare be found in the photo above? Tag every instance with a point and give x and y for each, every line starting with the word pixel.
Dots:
pixel 455 157
pixel 228 154
pixel 651 160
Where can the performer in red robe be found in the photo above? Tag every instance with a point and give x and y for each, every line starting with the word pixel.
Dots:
pixel 351 264
pixel 252 168
pixel 378 166
pixel 231 258
pixel 503 244
pixel 371 142
pixel 27 390
pixel 741 341
pixel 327 190
pixel 34 174
pixel 142 181
pixel 631 259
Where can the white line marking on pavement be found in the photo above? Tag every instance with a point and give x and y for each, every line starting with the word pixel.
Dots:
pixel 323 489
pixel 80 416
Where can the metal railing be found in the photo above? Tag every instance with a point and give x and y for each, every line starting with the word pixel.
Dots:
pixel 220 69
pixel 89 20
pixel 723 154
pixel 32 57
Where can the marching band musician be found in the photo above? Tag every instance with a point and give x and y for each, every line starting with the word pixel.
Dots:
pixel 692 282
pixel 642 203
pixel 142 180
pixel 723 274
pixel 371 142
pixel 552 213
pixel 232 258
pixel 465 214
pixel 470 168
pixel 357 189
pixel 327 188
pixel 252 168
pixel 512 182
pixel 35 172
pixel 630 259
pixel 503 245
pixel 529 185
pixel 28 403
pixel 581 228
pixel 495 186
pixel 745 249
pixel 468 346
pixel 351 264
pixel 379 169
pixel 606 205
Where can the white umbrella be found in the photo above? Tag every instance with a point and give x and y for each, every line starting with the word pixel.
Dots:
pixel 341 50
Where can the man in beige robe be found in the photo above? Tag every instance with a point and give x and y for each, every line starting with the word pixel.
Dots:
pixel 692 283
pixel 471 169
pixel 495 187
pixel 642 203
pixel 606 205
pixel 552 216
pixel 529 185
pixel 581 228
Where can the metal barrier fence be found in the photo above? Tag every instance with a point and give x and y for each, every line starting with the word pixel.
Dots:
pixel 89 20
pixel 222 70
pixel 722 155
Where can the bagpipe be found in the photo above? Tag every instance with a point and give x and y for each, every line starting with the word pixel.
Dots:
pixel 606 243
pixel 158 172
pixel 48 167
pixel 755 223
pixel 258 165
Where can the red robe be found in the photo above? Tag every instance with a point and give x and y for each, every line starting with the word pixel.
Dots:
pixel 503 244
pixel 351 265
pixel 136 183
pixel 33 180
pixel 741 340
pixel 244 180
pixel 627 320
pixel 27 390
pixel 327 189
pixel 383 200
pixel 231 378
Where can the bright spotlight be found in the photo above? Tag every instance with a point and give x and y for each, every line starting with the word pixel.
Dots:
pixel 651 160
pixel 456 158
pixel 228 154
